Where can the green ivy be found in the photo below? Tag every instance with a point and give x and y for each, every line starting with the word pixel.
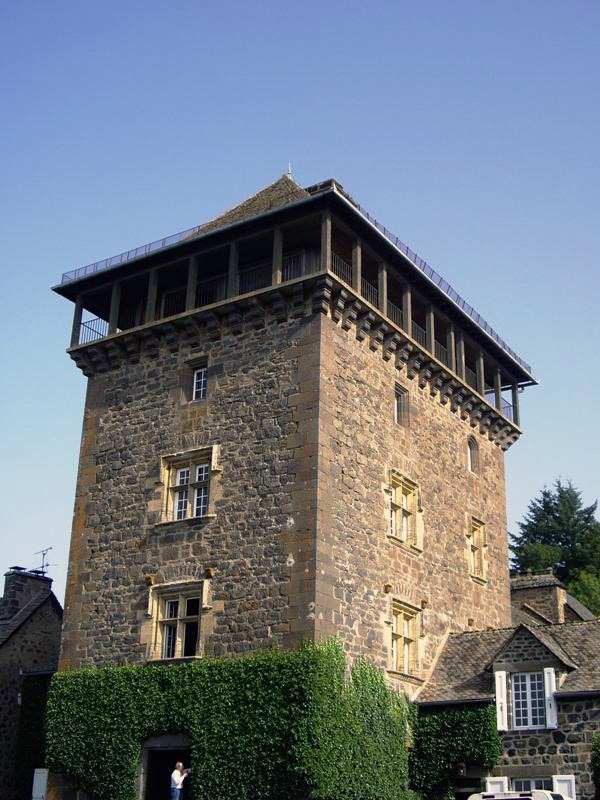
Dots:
pixel 274 726
pixel 446 736
pixel 596 764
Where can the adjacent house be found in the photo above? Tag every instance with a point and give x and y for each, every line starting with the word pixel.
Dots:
pixel 30 624
pixel 543 674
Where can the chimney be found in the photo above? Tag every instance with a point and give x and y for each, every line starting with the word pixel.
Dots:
pixel 21 586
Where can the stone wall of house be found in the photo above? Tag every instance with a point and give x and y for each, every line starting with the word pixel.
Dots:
pixel 360 568
pixel 563 751
pixel 258 541
pixel 524 647
pixel 33 647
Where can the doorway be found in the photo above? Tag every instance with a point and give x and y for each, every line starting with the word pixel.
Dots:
pixel 159 757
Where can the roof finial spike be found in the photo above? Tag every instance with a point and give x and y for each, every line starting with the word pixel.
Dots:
pixel 289 169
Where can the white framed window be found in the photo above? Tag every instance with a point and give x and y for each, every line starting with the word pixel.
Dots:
pixel 476 544
pixel 532 702
pixel 563 785
pixel 404 649
pixel 199 383
pixel 403 525
pixel 528 784
pixel 528 700
pixel 401 406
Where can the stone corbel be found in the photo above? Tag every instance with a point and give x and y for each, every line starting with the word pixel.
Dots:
pixel 235 321
pixel 278 306
pixel 447 391
pixel 350 314
pixel 403 354
pixel 415 362
pixel 364 324
pixel 255 315
pixel 171 337
pixel 390 345
pixel 99 359
pixel 339 304
pixel 213 326
pixel 297 308
pixel 322 295
pixel 83 362
pixel 377 336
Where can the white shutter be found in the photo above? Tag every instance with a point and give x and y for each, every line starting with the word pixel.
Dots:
pixel 40 783
pixel 565 785
pixel 501 709
pixel 549 689
pixel 493 785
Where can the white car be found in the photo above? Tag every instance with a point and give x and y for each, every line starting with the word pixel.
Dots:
pixel 533 794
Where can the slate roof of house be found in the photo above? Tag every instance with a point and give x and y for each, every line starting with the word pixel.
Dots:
pixel 12 624
pixel 281 192
pixel 464 670
pixel 531 581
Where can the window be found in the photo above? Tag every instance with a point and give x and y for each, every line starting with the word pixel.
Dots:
pixel 403 507
pixel 473 455
pixel 186 478
pixel 532 702
pixel 528 700
pixel 404 638
pixel 527 784
pixel 401 406
pixel 476 548
pixel 199 383
pixel 560 786
pixel 179 611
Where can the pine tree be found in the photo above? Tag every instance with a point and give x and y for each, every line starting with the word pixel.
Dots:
pixel 559 531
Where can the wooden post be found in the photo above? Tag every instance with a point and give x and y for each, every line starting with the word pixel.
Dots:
pixel 515 404
pixel 277 276
pixel 326 242
pixel 451 347
pixel 430 329
pixel 407 309
pixel 150 314
pixel 192 282
pixel 480 367
pixel 115 302
pixel 498 389
pixel 77 314
pixel 460 355
pixel 356 265
pixel 233 276
pixel 382 287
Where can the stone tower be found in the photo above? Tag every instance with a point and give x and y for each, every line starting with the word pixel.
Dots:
pixel 294 428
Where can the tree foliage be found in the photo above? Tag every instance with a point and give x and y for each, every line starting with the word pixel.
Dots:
pixel 560 532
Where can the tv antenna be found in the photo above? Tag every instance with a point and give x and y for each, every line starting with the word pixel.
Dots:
pixel 44 568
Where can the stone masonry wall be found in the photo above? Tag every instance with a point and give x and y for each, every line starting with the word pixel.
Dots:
pixel 360 568
pixel 261 412
pixel 31 648
pixel 564 751
pixel 547 600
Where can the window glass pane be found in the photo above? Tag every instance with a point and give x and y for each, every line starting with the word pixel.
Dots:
pixel 199 390
pixel 183 477
pixel 181 501
pixel 201 508
pixel 202 472
pixel 171 609
pixel 192 606
pixel 169 641
pixel 190 638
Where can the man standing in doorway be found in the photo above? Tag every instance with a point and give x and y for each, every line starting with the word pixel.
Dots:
pixel 178 776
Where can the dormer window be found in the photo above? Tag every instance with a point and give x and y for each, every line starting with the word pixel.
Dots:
pixel 525 700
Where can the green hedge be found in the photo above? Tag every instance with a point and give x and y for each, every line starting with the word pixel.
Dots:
pixel 446 736
pixel 596 764
pixel 275 726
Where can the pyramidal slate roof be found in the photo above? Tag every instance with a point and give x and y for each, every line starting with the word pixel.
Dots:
pixel 281 192
pixel 464 671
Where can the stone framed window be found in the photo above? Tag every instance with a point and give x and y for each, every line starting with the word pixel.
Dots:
pixel 194 377
pixel 178 611
pixel 404 516
pixel 405 630
pixel 188 480
pixel 401 406
pixel 473 455
pixel 476 546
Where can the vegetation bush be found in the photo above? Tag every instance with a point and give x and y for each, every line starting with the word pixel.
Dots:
pixel 272 726
pixel 30 732
pixel 596 764
pixel 445 737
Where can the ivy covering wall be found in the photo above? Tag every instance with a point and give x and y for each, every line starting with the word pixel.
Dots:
pixel 447 736
pixel 273 726
pixel 596 764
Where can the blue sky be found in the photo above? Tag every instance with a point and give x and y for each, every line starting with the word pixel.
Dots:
pixel 470 129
